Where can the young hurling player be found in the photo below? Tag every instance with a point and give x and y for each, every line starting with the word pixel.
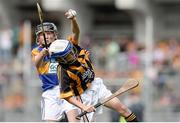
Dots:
pixel 52 107
pixel 79 86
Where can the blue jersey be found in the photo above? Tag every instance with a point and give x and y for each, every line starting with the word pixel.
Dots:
pixel 47 70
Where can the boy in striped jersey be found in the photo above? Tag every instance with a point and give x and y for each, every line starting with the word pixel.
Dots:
pixel 79 86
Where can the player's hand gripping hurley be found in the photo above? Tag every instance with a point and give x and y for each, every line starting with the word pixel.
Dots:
pixel 128 85
pixel 41 21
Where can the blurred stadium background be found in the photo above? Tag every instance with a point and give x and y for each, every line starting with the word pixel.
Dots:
pixel 127 38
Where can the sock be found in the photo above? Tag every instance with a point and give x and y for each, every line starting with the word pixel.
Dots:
pixel 131 118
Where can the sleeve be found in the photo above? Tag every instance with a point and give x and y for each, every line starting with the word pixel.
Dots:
pixel 65 88
pixel 72 39
pixel 34 52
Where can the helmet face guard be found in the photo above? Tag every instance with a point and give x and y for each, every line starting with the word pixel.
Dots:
pixel 63 51
pixel 67 59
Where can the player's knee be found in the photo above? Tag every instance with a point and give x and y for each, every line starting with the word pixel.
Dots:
pixel 71 115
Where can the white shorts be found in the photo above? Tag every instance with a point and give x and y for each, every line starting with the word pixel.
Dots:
pixel 94 94
pixel 52 107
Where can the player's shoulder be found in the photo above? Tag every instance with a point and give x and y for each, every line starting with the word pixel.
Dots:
pixel 35 49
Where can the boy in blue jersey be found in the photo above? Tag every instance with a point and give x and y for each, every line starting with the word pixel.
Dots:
pixel 52 107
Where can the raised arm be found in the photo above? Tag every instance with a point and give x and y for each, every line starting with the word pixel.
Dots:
pixel 71 14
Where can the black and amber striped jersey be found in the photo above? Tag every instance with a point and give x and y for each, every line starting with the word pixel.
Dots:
pixel 77 77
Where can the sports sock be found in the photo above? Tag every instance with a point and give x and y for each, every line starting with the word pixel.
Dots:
pixel 131 118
